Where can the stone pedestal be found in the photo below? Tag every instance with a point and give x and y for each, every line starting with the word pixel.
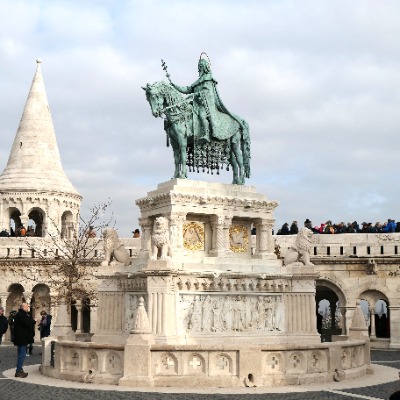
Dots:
pixel 217 314
pixel 137 361
pixel 209 221
pixel 62 327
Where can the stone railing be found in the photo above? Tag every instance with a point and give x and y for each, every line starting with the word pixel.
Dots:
pixel 29 247
pixel 341 245
pixel 84 361
pixel 348 244
pixel 218 365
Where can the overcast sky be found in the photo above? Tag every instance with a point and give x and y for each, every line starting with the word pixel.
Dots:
pixel 317 81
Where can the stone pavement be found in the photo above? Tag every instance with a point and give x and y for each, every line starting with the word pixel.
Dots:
pixel 378 386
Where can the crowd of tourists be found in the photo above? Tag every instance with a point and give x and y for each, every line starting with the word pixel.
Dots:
pixel 334 228
pixel 21 231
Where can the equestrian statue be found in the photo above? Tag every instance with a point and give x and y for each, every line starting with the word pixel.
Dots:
pixel 204 135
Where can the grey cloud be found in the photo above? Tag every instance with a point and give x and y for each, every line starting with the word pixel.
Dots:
pixel 318 85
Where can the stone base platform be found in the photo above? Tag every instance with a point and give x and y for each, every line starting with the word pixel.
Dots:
pixel 143 364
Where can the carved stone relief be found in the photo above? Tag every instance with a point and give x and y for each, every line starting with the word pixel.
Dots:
pixel 132 302
pixel 204 313
pixel 357 357
pixel 346 358
pixel 193 236
pixel 166 364
pixel 317 362
pixel 296 362
pixel 239 238
pixel 72 360
pixel 113 363
pixel 274 363
pixel 93 362
pixel 223 284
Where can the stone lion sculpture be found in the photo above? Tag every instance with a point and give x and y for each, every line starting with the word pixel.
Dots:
pixel 160 243
pixel 299 253
pixel 114 251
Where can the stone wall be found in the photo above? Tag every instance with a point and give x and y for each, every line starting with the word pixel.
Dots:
pixel 215 365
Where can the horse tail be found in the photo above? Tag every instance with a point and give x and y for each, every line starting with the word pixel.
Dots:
pixel 246 148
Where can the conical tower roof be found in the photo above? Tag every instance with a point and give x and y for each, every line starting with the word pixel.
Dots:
pixel 34 163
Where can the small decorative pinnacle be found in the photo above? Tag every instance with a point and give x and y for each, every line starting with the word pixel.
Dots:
pixel 38 60
pixel 141 321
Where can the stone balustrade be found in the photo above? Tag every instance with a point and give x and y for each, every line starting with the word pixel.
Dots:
pixel 215 365
pixel 341 245
pixel 347 244
pixel 24 247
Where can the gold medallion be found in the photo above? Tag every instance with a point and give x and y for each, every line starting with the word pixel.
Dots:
pixel 193 236
pixel 238 238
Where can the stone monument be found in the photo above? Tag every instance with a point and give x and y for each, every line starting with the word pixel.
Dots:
pixel 204 135
pixel 200 305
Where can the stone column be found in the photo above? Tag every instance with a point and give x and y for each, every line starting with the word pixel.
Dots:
pixel 94 306
pixel 226 226
pixel 372 321
pixel 161 310
pixel 2 217
pixel 145 226
pixel 53 305
pixel 24 220
pixel 176 221
pixel 394 314
pixel 349 315
pixel 344 325
pixel 333 314
pixel 78 306
pixel 264 242
pixel 220 225
pixel 3 302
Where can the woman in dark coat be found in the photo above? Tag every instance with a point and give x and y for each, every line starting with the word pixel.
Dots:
pixel 44 324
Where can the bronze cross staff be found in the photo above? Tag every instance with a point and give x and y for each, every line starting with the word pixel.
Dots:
pixel 164 67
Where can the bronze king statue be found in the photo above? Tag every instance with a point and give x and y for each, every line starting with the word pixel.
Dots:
pixel 204 135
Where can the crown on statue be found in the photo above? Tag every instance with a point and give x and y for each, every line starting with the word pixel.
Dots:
pixel 204 61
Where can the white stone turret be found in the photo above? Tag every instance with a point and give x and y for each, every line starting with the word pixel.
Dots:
pixel 34 189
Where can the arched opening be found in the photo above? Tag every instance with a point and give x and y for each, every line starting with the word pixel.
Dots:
pixel 382 320
pixel 74 316
pixel 35 223
pixel 14 299
pixel 40 300
pixel 86 316
pixel 80 315
pixel 330 301
pixel 376 309
pixel 15 221
pixel 67 225
pixel 13 303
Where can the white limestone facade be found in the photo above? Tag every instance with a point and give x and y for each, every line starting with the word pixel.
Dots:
pixel 216 309
pixel 203 300
pixel 34 189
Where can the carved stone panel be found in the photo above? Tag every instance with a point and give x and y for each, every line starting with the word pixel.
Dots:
pixel 208 313
pixel 165 363
pixel 193 236
pixel 113 363
pixel 132 302
pixel 317 362
pixel 274 363
pixel 296 362
pixel 239 238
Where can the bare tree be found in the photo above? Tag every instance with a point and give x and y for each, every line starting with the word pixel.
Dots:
pixel 70 260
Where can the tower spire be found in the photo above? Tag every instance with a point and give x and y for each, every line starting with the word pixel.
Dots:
pixel 34 189
pixel 34 163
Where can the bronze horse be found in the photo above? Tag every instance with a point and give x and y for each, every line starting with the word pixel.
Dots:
pixel 189 150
